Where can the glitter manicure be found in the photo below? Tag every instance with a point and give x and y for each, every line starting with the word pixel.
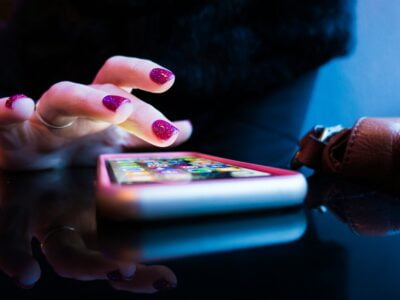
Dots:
pixel 161 76
pixel 10 101
pixel 164 130
pixel 112 102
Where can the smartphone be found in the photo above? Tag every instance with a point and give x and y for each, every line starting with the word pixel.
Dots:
pixel 152 186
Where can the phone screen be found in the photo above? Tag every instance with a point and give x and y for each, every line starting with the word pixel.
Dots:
pixel 183 168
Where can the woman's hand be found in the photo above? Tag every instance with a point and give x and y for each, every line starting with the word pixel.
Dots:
pixel 74 123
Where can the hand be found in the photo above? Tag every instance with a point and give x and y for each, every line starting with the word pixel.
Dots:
pixel 62 216
pixel 74 123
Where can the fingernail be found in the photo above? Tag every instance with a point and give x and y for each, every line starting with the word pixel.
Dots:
pixel 21 285
pixel 164 130
pixel 161 76
pixel 163 285
pixel 12 99
pixel 112 102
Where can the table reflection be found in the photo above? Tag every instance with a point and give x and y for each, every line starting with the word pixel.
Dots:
pixel 58 208
pixel 169 241
pixel 368 209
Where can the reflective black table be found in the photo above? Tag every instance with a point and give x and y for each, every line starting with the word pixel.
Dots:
pixel 342 244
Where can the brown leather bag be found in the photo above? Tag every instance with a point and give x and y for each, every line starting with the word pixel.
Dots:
pixel 370 150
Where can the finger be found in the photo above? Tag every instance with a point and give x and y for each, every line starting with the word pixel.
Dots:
pixel 15 109
pixel 16 261
pixel 145 122
pixel 16 258
pixel 148 279
pixel 131 72
pixel 185 132
pixel 67 253
pixel 131 141
pixel 66 101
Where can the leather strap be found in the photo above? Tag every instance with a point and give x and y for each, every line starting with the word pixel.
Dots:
pixel 370 150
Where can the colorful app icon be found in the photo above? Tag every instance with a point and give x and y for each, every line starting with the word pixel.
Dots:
pixel 175 161
pixel 127 164
pixel 190 167
pixel 200 170
pixel 228 169
pixel 217 166
pixel 136 173
pixel 181 165
pixel 148 161
pixel 155 166
pixel 187 158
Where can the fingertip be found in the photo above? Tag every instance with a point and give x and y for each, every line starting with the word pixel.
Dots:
pixel 185 128
pixel 132 72
pixel 29 276
pixel 21 267
pixel 159 133
pixel 162 285
pixel 165 132
pixel 165 144
pixel 15 109
pixel 23 108
pixel 149 280
pixel 162 79
pixel 185 132
pixel 166 274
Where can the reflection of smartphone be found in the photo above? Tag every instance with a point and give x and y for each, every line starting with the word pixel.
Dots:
pixel 172 184
pixel 169 241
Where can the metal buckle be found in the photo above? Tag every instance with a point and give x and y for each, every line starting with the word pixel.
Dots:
pixel 320 134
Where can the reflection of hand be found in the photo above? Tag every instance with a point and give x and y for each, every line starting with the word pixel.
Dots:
pixel 74 123
pixel 61 215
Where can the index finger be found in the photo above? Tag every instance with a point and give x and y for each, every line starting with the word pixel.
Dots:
pixel 131 72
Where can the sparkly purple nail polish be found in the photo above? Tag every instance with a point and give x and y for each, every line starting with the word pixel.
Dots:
pixel 164 130
pixel 112 102
pixel 161 76
pixel 14 98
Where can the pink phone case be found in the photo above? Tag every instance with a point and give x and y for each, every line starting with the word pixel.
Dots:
pixel 178 199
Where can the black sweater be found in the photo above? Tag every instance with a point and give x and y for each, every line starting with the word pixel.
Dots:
pixel 224 52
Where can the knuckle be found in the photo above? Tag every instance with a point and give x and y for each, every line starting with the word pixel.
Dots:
pixel 113 60
pixel 60 87
pixel 64 91
pixel 108 87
